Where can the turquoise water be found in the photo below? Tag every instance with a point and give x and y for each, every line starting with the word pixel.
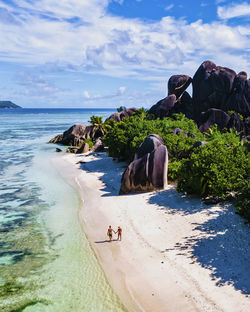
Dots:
pixel 46 263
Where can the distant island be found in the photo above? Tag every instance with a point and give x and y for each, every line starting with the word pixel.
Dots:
pixel 8 104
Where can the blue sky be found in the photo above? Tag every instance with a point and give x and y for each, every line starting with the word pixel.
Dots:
pixel 108 53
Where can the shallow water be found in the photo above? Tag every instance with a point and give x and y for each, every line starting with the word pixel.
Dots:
pixel 46 263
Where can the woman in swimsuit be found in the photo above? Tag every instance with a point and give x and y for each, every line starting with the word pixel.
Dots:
pixel 119 231
pixel 110 233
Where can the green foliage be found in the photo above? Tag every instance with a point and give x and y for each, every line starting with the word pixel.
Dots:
pixel 125 137
pixel 215 169
pixel 95 120
pixel 231 112
pixel 100 128
pixel 218 169
pixel 110 123
pixel 89 141
pixel 173 170
pixel 229 138
pixel 243 199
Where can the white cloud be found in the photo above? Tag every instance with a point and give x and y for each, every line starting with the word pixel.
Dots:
pixel 204 4
pixel 220 1
pixel 169 7
pixel 234 10
pixel 118 1
pixel 89 9
pixel 36 85
pixel 86 94
pixel 79 35
pixel 121 90
pixel 112 95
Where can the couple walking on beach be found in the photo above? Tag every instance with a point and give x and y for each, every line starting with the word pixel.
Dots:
pixel 110 233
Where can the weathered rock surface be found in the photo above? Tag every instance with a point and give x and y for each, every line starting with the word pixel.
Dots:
pixel 220 87
pixel 236 122
pixel 177 84
pixel 98 146
pixel 199 144
pixel 247 126
pixel 214 87
pixel 75 135
pixel 72 150
pixel 84 148
pixel 148 172
pixel 178 131
pixel 120 115
pixel 183 105
pixel 151 142
pixel 214 116
pixel 163 108
pixel 56 139
pixel 239 100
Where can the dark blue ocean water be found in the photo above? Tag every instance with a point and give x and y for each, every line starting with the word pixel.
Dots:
pixel 45 258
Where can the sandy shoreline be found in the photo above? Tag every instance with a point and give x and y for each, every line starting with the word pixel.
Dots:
pixel 177 254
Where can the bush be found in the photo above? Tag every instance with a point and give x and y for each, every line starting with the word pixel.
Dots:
pixel 125 137
pixel 90 142
pixel 173 170
pixel 215 169
pixel 243 199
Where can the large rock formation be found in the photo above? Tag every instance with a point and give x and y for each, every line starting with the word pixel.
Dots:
pixel 56 139
pixel 183 105
pixel 223 121
pixel 84 148
pixel 120 115
pixel 239 99
pixel 212 86
pixel 177 84
pixel 98 146
pixel 75 135
pixel 237 123
pixel 247 127
pixel 151 142
pixel 177 101
pixel 214 116
pixel 163 108
pixel 148 172
pixel 216 92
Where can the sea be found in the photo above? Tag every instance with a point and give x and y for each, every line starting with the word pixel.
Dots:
pixel 46 262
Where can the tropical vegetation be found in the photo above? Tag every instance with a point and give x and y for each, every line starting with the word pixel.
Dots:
pixel 218 168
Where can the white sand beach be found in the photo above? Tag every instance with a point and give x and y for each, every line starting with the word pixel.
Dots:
pixel 176 253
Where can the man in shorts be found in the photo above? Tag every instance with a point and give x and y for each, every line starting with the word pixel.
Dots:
pixel 110 233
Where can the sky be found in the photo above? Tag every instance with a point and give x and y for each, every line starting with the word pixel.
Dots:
pixel 111 53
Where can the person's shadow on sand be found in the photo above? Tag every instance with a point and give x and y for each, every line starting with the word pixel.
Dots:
pixel 103 241
pixel 222 244
pixel 106 241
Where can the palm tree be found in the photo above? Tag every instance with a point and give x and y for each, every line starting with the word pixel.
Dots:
pixel 100 128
